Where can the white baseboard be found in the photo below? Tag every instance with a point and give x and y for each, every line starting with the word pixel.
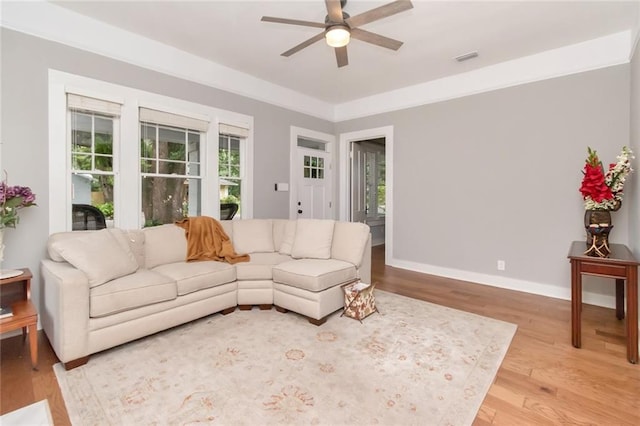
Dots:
pixel 542 289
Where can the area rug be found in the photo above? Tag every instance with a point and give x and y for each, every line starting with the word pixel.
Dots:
pixel 412 363
pixel 36 414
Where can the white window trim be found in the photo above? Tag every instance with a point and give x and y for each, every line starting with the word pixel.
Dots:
pixel 128 169
pixel 329 141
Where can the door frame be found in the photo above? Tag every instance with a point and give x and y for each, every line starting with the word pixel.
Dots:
pixel 329 141
pixel 346 139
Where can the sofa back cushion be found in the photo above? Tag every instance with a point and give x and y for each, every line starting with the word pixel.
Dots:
pixel 54 254
pixel 253 236
pixel 278 232
pixel 227 225
pixel 102 255
pixel 164 244
pixel 313 239
pixel 284 232
pixel 349 241
pixel 135 237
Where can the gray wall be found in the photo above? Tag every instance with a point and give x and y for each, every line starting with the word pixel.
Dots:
pixel 24 154
pixel 496 175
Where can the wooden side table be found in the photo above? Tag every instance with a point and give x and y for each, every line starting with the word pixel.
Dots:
pixel 620 265
pixel 25 315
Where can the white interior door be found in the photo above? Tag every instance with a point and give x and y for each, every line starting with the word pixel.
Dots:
pixel 313 184
pixel 358 184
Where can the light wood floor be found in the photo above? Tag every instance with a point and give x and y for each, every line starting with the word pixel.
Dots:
pixel 543 379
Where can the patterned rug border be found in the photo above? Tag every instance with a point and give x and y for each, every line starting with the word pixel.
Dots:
pixel 461 410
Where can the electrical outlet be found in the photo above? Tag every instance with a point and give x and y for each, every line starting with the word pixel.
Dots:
pixel 502 265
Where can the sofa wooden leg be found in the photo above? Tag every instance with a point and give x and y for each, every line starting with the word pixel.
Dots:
pixel 318 321
pixel 245 307
pixel 76 363
pixel 265 307
pixel 283 310
pixel 228 310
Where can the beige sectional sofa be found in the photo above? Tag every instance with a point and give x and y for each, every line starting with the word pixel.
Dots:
pixel 104 288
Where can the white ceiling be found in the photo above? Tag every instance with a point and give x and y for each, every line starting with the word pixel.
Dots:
pixel 230 33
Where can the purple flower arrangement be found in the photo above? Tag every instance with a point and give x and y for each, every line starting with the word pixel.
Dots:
pixel 12 199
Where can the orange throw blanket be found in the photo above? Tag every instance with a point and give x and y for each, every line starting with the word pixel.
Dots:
pixel 206 240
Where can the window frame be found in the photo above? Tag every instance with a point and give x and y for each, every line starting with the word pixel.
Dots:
pixel 241 178
pixel 127 198
pixel 372 158
pixel 186 131
pixel 93 171
pixel 246 165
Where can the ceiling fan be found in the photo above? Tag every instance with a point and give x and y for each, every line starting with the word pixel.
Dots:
pixel 339 27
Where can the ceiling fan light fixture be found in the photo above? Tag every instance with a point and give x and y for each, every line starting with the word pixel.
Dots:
pixel 338 35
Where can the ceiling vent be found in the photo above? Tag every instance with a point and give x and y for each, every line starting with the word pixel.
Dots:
pixel 466 56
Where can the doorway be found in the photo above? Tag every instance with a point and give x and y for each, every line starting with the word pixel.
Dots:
pixel 368 186
pixel 366 182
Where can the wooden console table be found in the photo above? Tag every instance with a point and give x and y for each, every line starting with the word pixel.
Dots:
pixel 620 265
pixel 24 315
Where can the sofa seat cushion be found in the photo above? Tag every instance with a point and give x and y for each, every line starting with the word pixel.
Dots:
pixel 314 274
pixel 260 266
pixel 142 288
pixel 194 276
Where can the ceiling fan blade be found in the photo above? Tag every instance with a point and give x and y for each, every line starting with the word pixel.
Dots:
pixel 303 45
pixel 379 13
pixel 292 22
pixel 376 39
pixel 334 9
pixel 341 56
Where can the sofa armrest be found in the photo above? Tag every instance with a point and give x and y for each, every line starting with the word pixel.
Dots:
pixel 65 313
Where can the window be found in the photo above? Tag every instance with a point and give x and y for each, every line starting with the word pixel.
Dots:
pixel 170 167
pixel 93 126
pixel 138 157
pixel 313 167
pixel 375 189
pixel 381 184
pixel 231 141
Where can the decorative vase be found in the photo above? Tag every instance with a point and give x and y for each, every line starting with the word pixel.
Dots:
pixel 597 224
pixel 1 246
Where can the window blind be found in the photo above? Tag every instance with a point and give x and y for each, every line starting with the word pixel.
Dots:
pixel 85 103
pixel 174 120
pixel 228 129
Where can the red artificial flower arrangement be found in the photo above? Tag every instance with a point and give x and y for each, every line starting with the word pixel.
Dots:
pixel 600 190
pixel 593 184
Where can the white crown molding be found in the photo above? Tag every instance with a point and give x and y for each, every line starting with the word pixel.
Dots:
pixel 589 55
pixel 509 283
pixel 49 21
